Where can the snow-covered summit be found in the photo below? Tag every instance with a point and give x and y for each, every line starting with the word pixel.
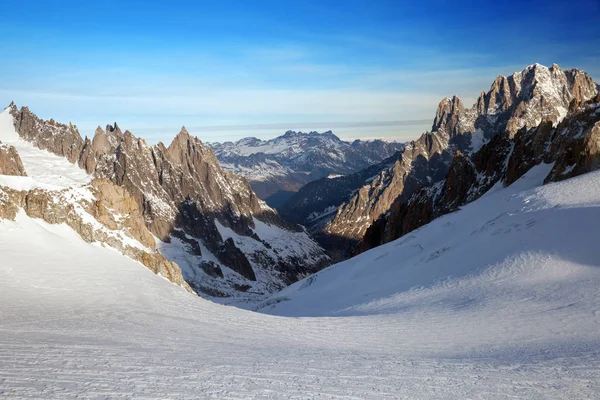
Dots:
pixel 293 159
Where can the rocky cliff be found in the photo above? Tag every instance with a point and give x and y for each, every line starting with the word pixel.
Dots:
pixel 10 161
pixel 540 128
pixel 522 100
pixel 190 204
pixel 100 212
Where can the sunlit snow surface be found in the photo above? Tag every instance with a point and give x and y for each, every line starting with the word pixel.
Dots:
pixel 497 301
pixel 44 169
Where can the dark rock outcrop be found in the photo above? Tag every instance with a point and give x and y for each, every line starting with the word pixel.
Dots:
pixel 231 256
pixel 10 162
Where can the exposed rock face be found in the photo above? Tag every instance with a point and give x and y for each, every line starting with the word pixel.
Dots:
pixel 573 146
pixel 447 116
pixel 521 101
pixel 288 162
pixel 60 139
pixel 422 162
pixel 315 204
pixel 235 259
pixel 182 191
pixel 101 212
pixel 578 157
pixel 10 162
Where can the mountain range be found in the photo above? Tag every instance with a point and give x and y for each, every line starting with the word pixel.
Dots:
pixel 278 167
pixel 204 227
pixel 341 210
pixel 180 204
pixel 468 259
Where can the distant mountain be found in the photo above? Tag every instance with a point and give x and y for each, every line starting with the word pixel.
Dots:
pixel 316 203
pixel 288 162
pixel 519 102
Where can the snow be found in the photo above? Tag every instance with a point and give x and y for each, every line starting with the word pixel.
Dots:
pixel 259 171
pixel 501 216
pixel 477 140
pixel 283 244
pixel 497 301
pixel 178 251
pixel 290 143
pixel 316 215
pixel 44 169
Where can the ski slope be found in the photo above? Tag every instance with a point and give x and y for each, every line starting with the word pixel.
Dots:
pixel 500 300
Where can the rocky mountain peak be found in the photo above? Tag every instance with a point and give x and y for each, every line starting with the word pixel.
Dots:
pixel 249 141
pixel 185 148
pixel 114 129
pixel 290 133
pixel 520 100
pixel 447 115
pixel 206 218
pixel 513 103
pixel 581 85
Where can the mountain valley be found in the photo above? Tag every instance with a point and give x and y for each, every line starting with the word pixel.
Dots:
pixel 461 264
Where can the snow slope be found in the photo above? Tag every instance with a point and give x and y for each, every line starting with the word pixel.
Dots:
pixel 44 169
pixel 497 301
pixel 525 244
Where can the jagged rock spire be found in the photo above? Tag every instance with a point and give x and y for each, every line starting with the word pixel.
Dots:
pixel 447 114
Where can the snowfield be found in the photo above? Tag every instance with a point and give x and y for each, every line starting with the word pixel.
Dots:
pixel 44 169
pixel 500 300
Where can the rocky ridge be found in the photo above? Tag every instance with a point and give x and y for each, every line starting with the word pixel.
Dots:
pixel 549 132
pixel 100 212
pixel 522 100
pixel 185 199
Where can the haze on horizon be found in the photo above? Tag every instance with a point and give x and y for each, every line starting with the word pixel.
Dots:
pixel 231 69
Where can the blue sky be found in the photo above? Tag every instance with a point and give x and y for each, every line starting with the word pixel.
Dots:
pixel 229 69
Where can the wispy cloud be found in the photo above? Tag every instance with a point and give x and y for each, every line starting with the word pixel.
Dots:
pixel 342 103
pixel 361 72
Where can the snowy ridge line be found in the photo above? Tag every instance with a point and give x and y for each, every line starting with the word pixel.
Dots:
pixel 288 162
